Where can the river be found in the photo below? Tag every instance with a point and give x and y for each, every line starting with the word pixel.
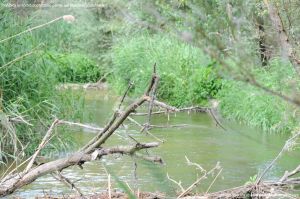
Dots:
pixel 241 151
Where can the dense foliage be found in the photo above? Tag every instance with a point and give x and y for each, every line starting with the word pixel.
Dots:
pixel 75 68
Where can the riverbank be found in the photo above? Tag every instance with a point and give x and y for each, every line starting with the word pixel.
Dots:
pixel 113 194
pixel 84 86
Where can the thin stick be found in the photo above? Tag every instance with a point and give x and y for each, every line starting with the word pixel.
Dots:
pixel 177 183
pixel 199 180
pixel 129 187
pixel 143 128
pixel 41 146
pixel 57 175
pixel 103 77
pixel 109 186
pixel 168 126
pixel 80 125
pixel 125 94
pixel 213 181
pixel 215 119
pixel 13 165
pixel 16 59
pixel 195 164
pixel 153 92
pixel 31 29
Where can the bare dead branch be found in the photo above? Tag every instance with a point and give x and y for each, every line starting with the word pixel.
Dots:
pixel 19 119
pixel 143 128
pixel 155 159
pixel 162 105
pixel 80 125
pixel 214 180
pixel 177 183
pixel 31 29
pixel 124 95
pixel 218 123
pixel 290 174
pixel 167 126
pixel 195 164
pixel 185 109
pixel 145 114
pixel 152 94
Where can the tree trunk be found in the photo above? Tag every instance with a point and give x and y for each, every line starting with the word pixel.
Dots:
pixel 264 58
pixel 286 45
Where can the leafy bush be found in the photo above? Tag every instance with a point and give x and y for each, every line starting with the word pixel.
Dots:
pixel 75 68
pixel 186 75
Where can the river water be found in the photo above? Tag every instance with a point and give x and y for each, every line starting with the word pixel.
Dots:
pixel 241 151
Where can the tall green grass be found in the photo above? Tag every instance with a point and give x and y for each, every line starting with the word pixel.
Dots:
pixel 186 75
pixel 28 85
pixel 252 106
pixel 189 77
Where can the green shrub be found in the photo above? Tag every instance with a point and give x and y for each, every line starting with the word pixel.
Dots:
pixel 186 75
pixel 75 68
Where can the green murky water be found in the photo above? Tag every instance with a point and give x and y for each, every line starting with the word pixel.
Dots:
pixel 242 152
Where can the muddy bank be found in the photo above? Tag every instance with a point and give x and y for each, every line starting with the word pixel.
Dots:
pixel 105 195
pixel 87 86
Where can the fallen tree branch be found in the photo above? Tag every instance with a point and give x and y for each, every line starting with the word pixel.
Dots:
pixel 161 104
pixel 17 181
pixel 170 109
pixel 155 159
pixel 91 151
pixel 185 109
pixel 286 146
pixel 167 126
